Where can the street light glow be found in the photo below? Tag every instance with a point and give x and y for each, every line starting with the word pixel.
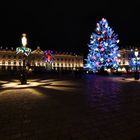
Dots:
pixel 24 40
pixel 136 52
pixel 136 73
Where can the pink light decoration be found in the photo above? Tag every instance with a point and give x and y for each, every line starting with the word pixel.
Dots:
pixel 104 31
pixel 102 49
pixel 94 57
pixel 97 63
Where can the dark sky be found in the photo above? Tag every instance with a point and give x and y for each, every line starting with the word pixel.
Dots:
pixel 66 26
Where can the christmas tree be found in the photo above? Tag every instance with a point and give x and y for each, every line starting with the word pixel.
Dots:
pixel 103 48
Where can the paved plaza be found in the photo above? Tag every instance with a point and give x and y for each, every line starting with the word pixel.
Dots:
pixel 85 108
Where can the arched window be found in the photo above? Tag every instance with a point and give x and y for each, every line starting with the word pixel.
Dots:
pixel 38 64
pixel 14 62
pixel 9 62
pixel 19 62
pixel 9 56
pixel 3 56
pixel 3 62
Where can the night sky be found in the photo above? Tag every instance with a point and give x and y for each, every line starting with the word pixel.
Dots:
pixel 66 26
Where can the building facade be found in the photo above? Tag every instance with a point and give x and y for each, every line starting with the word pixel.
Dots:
pixel 9 60
pixel 126 57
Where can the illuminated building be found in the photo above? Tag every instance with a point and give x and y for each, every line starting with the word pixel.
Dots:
pixel 126 55
pixel 9 60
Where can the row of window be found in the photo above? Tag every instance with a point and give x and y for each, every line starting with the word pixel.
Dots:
pixel 67 59
pixel 39 64
pixel 11 56
pixel 9 62
pixel 58 59
pixel 66 65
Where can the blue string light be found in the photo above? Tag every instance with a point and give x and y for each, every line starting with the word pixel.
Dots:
pixel 103 48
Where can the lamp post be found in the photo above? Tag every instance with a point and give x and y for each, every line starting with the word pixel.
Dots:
pixel 136 72
pixel 25 53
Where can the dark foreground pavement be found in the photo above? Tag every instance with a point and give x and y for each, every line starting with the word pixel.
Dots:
pixel 89 108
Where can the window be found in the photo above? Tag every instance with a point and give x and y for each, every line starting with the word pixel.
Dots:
pixel 20 62
pixel 3 62
pixel 9 56
pixel 9 62
pixel 14 62
pixel 3 56
pixel 38 64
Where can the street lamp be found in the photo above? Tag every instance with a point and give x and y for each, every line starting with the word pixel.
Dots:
pixel 136 72
pixel 25 53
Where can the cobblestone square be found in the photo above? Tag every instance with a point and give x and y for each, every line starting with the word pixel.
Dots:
pixel 86 108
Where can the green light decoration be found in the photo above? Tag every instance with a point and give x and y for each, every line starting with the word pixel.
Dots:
pixel 23 50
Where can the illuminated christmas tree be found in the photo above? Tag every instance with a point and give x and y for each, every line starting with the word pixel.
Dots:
pixel 103 48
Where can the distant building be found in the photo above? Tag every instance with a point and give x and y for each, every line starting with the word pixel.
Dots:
pixel 9 60
pixel 126 55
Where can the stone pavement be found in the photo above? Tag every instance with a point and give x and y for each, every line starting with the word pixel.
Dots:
pixel 89 108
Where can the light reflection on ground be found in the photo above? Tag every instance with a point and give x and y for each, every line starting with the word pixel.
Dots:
pixel 59 85
pixel 13 85
pixel 19 92
pixel 123 79
pixel 107 106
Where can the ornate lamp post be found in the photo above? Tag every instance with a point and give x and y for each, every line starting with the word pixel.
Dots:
pixel 25 53
pixel 136 72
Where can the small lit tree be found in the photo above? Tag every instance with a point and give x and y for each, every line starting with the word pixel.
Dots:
pixel 103 48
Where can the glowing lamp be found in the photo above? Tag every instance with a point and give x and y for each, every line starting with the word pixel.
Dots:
pixel 24 40
pixel 136 53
